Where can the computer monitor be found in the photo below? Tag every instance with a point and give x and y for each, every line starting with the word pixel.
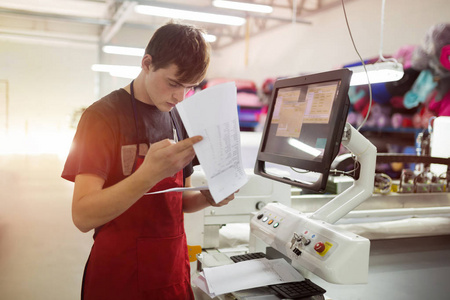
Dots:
pixel 304 128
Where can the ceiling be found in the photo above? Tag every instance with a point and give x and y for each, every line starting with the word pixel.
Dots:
pixel 98 22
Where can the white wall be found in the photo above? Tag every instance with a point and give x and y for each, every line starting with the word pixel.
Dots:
pixel 47 82
pixel 300 48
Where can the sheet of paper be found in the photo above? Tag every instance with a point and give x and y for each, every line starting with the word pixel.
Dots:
pixel 181 189
pixel 212 113
pixel 248 274
pixel 200 282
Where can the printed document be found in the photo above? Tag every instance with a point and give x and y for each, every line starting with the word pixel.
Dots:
pixel 245 275
pixel 212 113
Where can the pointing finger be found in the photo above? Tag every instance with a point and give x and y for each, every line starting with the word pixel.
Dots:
pixel 188 143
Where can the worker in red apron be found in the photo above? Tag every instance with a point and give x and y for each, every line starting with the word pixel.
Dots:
pixel 121 151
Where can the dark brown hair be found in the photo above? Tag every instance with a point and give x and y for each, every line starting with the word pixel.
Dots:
pixel 182 45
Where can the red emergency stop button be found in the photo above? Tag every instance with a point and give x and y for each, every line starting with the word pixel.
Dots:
pixel 319 247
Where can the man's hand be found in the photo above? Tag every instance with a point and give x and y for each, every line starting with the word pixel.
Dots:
pixel 164 158
pixel 209 198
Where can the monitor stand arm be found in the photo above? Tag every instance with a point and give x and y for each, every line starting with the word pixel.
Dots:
pixel 362 188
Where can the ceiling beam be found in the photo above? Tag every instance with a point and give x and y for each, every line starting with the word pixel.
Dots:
pixel 48 38
pixel 120 17
pixel 54 16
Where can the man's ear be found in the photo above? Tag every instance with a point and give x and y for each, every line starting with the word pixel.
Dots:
pixel 146 63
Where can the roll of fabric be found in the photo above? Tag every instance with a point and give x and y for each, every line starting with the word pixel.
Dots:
pixel 422 87
pixel 445 57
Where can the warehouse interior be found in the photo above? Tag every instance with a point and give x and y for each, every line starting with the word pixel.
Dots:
pixel 49 50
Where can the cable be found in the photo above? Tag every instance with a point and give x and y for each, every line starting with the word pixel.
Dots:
pixel 364 65
pixel 380 52
pixel 334 172
pixel 350 173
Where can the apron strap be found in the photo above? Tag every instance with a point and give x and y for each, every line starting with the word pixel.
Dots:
pixel 133 103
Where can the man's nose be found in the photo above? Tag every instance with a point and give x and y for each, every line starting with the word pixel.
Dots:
pixel 180 94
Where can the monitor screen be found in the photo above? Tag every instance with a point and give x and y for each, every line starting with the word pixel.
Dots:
pixel 304 127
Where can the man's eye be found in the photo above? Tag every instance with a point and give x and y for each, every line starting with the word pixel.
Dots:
pixel 172 84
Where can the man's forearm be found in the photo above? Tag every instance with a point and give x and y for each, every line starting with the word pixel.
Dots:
pixel 94 206
pixel 194 201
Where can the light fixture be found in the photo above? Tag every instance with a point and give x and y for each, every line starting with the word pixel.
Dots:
pixel 120 50
pixel 124 50
pixel 384 71
pixel 210 38
pixel 121 71
pixel 189 15
pixel 259 8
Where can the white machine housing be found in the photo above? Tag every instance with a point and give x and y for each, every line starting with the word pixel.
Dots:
pixel 345 259
pixel 440 143
pixel 341 257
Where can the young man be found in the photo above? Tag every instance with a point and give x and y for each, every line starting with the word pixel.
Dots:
pixel 127 144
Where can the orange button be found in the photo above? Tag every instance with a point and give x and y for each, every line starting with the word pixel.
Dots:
pixel 270 222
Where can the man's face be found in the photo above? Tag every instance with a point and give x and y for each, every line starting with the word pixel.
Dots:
pixel 163 88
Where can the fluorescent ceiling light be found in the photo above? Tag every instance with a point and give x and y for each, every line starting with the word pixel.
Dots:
pixel 378 72
pixel 130 72
pixel 189 15
pixel 210 38
pixel 243 6
pixel 124 50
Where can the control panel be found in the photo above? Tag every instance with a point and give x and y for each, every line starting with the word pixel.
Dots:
pixel 331 253
pixel 303 239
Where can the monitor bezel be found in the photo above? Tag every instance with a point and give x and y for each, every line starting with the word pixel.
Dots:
pixel 338 116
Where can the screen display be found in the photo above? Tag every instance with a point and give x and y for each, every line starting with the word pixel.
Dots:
pixel 304 127
pixel 300 122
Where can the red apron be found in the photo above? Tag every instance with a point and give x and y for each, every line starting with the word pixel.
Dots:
pixel 142 254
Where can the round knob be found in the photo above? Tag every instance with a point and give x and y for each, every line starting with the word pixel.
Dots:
pixel 319 247
pixel 260 205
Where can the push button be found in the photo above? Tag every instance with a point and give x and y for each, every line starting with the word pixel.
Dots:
pixel 322 248
pixel 270 222
pixel 319 247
